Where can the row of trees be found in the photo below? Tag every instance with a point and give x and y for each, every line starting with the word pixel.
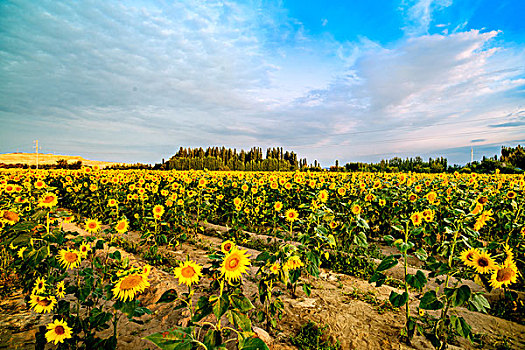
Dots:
pixel 221 158
pixel 512 160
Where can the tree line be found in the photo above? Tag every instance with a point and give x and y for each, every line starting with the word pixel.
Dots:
pixel 222 158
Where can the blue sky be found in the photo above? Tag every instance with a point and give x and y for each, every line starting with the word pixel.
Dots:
pixel 350 80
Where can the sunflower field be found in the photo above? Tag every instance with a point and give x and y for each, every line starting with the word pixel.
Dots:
pixel 86 248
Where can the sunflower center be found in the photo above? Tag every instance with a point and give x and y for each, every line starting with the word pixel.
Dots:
pixel 504 275
pixel 59 330
pixel 227 247
pixel 483 262
pixel 92 225
pixel 187 272
pixel 70 257
pixel 130 282
pixel 121 226
pixel 40 285
pixel 44 301
pixel 233 263
pixel 48 199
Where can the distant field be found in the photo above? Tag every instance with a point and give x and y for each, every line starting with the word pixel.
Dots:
pixel 30 159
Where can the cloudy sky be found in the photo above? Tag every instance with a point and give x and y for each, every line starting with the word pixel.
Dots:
pixel 350 80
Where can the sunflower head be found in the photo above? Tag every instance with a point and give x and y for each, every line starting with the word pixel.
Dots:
pixel 130 285
pixel 92 225
pixel 58 331
pixel 483 263
pixel 70 258
pixel 356 209
pixel 188 272
pixel 122 226
pixel 468 255
pixel 504 275
pixel 235 264
pixel 291 215
pixel 48 200
pixel 227 246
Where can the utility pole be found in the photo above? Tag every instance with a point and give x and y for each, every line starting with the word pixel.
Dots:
pixel 471 154
pixel 36 149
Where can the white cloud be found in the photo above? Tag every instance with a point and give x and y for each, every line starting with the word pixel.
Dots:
pixel 418 14
pixel 135 82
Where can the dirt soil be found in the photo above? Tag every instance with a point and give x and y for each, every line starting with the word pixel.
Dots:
pixel 336 301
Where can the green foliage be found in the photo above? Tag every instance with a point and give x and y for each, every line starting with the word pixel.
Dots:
pixel 312 336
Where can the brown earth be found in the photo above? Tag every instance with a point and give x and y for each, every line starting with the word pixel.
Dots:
pixel 30 159
pixel 337 301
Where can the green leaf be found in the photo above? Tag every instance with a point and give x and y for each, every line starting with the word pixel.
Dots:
pixel 397 299
pixel 360 239
pixel 479 303
pixel 168 296
pixel 221 306
pixel 204 308
pixel 253 344
pixel 387 263
pixel 378 278
pixel 417 281
pixel 461 326
pixel 462 295
pixel 241 302
pixel 430 301
pixel 240 320
pixel 421 254
pixel 307 288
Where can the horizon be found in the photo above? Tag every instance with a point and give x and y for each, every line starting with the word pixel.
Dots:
pixel 357 82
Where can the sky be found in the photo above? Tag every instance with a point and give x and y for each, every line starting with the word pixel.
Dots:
pixel 133 81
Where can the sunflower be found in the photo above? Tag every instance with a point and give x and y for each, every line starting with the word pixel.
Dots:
pixel 482 220
pixel 504 275
pixel 428 215
pixel 92 225
pixel 57 331
pixel 112 202
pixel 412 197
pixel 188 272
pixel 323 196
pixel 21 251
pixel 128 286
pixel 42 304
pixel 293 263
pixel 70 258
pixel 468 255
pixel 9 216
pixel 146 270
pixel 275 268
pixel 227 246
pixel 291 215
pixel 431 197
pixel 48 200
pixel 84 249
pixel 417 218
pixel 69 218
pixel 277 206
pixel 483 263
pixel 40 184
pixel 122 226
pixel 60 290
pixel 158 210
pixel 235 264
pixel 237 201
pixel 511 195
pixel 40 286
pixel 356 209
pixel 341 191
